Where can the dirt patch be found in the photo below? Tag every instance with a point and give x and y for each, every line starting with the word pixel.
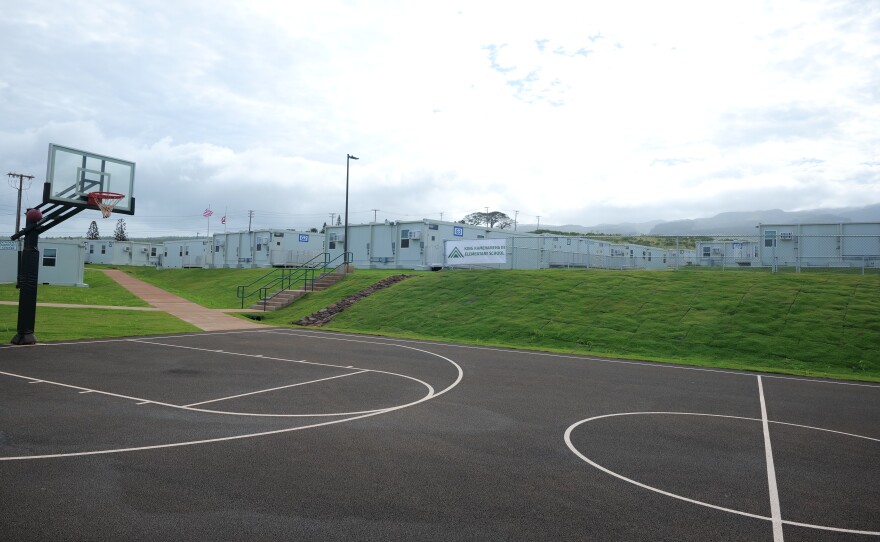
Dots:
pixel 326 314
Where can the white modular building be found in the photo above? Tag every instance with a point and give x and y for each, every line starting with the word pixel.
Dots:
pixel 433 244
pixel 185 253
pixel 847 244
pixel 266 248
pixel 728 253
pixel 414 244
pixel 62 261
pixel 112 252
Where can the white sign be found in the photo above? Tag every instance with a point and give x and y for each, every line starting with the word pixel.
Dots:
pixel 303 238
pixel 8 245
pixel 476 251
pixel 458 231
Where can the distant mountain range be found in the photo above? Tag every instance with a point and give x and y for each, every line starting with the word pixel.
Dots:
pixel 737 223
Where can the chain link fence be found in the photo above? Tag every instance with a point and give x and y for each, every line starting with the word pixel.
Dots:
pixel 770 250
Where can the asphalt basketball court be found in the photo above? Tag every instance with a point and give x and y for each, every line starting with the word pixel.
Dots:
pixel 303 435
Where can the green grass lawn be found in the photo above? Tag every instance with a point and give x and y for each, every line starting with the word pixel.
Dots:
pixel 212 288
pixel 65 324
pixel 809 324
pixel 799 324
pixel 101 291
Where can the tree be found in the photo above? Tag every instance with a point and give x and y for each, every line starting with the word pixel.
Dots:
pixel 119 234
pixel 324 228
pixel 339 220
pixel 495 219
pixel 93 231
pixel 313 230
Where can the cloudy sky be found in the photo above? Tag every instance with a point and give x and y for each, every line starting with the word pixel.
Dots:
pixel 580 112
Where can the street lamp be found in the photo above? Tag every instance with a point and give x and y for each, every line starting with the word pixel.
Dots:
pixel 345 233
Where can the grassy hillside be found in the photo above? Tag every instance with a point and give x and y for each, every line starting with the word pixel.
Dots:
pixel 812 324
pixel 799 323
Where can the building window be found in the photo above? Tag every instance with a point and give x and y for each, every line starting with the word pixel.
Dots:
pixel 187 251
pixel 216 248
pixel 91 249
pixel 103 249
pixel 404 243
pixel 259 247
pixel 769 238
pixel 433 227
pixel 332 245
pixel 153 251
pixel 707 251
pixel 49 257
pixel 181 252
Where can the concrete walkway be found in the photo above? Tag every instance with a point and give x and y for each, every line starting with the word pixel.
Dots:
pixel 197 315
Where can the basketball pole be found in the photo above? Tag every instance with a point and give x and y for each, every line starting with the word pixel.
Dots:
pixel 29 279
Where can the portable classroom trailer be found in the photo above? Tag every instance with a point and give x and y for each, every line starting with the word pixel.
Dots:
pixel 266 248
pixel 185 253
pixel 111 252
pixel 405 244
pixel 62 261
pixel 728 253
pixel 848 244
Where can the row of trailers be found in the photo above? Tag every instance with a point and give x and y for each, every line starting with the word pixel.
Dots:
pixel 431 244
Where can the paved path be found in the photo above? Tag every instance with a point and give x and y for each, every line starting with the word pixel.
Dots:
pixel 197 315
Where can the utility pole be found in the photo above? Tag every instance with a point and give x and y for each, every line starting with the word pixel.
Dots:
pixel 374 214
pixel 515 214
pixel 250 217
pixel 487 217
pixel 332 216
pixel 539 223
pixel 20 187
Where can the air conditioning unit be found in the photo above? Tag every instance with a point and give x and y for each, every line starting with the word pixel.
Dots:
pixel 415 234
pixel 786 236
pixel 145 249
pixel 126 249
pixel 334 237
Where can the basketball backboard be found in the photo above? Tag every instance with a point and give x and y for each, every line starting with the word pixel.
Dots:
pixel 73 174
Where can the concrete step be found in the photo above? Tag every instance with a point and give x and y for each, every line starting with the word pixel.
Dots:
pixel 284 298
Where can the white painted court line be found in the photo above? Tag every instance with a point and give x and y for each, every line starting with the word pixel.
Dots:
pixel 274 389
pixel 775 509
pixel 242 354
pixel 431 395
pixel 337 335
pixel 656 364
pixel 141 401
pixel 586 459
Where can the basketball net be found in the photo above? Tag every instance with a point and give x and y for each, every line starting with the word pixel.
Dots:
pixel 105 201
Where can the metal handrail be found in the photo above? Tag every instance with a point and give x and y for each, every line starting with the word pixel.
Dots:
pixel 284 278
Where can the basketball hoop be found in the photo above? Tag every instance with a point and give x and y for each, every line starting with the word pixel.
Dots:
pixel 105 201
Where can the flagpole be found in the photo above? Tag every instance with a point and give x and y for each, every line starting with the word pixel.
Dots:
pixel 225 214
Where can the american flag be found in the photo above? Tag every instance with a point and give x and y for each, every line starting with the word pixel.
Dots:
pixel 208 212
pixel 223 220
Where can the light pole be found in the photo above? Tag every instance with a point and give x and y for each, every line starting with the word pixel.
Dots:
pixel 345 232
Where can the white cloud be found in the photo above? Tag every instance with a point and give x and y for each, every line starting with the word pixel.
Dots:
pixel 578 112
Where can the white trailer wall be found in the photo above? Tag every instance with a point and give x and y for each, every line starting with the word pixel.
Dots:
pixel 853 244
pixel 62 261
pixel 111 252
pixel 185 253
pixel 266 248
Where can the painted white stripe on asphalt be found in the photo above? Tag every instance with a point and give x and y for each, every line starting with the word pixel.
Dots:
pixel 656 364
pixel 254 435
pixel 775 509
pixel 273 389
pixel 586 459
